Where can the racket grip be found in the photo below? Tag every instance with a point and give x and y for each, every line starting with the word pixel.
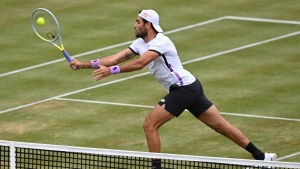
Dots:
pixel 67 55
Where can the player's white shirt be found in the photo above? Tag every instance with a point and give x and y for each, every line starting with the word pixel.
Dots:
pixel 166 68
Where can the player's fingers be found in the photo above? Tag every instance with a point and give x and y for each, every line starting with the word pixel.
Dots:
pixel 96 78
pixel 75 62
pixel 97 72
pixel 73 59
pixel 73 65
pixel 99 77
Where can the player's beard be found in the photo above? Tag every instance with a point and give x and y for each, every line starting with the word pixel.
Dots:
pixel 141 33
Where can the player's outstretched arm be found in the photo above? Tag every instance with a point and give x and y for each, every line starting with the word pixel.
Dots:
pixel 117 58
pixel 133 65
pixel 110 60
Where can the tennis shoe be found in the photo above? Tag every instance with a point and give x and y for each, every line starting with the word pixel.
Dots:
pixel 268 157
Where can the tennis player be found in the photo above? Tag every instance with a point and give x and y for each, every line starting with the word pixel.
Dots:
pixel 158 53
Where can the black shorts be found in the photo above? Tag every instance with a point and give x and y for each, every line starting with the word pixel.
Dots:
pixel 190 97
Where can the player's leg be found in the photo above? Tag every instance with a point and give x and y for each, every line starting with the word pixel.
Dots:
pixel 172 105
pixel 205 111
pixel 212 118
pixel 156 118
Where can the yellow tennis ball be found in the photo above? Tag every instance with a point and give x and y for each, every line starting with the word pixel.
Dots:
pixel 40 21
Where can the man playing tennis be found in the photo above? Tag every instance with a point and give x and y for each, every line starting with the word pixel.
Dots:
pixel 185 91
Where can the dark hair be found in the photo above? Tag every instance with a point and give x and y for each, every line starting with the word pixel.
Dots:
pixel 145 21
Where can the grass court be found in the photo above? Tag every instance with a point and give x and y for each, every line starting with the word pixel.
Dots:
pixel 245 53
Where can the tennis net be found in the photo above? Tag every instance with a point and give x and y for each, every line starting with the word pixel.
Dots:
pixel 15 155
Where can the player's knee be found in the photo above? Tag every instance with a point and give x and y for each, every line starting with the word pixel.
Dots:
pixel 148 125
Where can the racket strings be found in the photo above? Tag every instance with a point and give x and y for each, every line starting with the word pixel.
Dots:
pixel 49 30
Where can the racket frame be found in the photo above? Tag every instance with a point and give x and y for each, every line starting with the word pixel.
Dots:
pixel 61 47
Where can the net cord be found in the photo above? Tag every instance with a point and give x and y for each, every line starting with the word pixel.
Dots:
pixel 148 154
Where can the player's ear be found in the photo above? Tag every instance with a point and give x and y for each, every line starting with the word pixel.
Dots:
pixel 148 25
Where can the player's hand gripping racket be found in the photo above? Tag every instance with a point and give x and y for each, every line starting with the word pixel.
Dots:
pixel 46 26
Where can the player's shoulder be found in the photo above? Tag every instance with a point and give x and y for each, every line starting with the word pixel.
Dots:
pixel 161 36
pixel 138 41
pixel 162 39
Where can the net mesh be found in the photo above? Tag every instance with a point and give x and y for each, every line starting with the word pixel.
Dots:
pixel 35 156
pixel 4 157
pixel 49 30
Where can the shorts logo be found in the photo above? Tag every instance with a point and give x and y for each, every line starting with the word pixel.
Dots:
pixel 162 102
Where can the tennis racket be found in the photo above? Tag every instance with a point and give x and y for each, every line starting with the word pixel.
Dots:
pixel 46 26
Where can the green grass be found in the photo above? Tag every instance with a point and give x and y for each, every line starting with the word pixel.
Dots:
pixel 261 80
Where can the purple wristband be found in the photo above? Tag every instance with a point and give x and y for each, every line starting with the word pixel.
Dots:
pixel 114 69
pixel 95 64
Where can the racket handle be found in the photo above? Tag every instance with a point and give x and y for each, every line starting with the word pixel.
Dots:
pixel 68 56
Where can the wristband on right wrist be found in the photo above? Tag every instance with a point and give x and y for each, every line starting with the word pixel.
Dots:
pixel 95 63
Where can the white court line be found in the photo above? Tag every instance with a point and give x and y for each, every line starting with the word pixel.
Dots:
pixel 243 47
pixel 262 20
pixel 63 59
pixel 288 156
pixel 142 74
pixel 256 116
pixel 145 106
pixel 108 103
pixel 74 92
pixel 168 32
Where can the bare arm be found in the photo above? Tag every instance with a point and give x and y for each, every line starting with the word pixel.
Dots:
pixel 117 58
pixel 134 65
pixel 110 60
pixel 140 63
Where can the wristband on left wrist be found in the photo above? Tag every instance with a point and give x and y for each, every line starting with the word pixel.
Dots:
pixel 115 69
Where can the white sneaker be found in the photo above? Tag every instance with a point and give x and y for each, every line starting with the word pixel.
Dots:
pixel 270 157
